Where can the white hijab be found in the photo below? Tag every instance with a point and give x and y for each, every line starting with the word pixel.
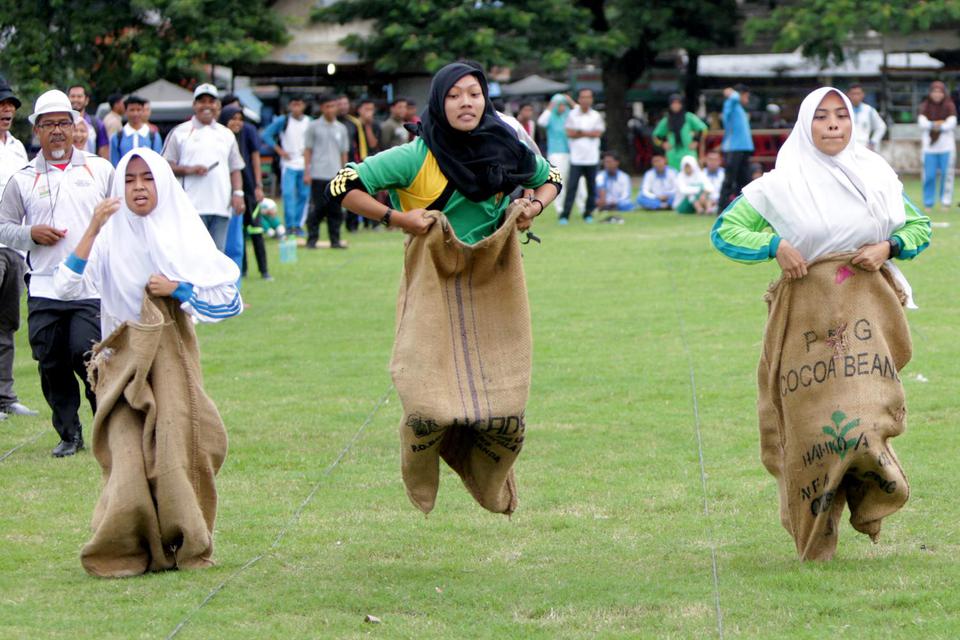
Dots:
pixel 170 240
pixel 825 204
pixel 691 184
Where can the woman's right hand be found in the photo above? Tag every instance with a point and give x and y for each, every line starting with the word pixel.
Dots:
pixel 103 211
pixel 415 222
pixel 791 262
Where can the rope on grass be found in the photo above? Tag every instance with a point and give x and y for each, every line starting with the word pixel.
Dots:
pixel 292 522
pixel 21 445
pixel 703 472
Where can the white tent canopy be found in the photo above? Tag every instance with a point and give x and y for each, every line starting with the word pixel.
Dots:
pixel 533 86
pixel 794 65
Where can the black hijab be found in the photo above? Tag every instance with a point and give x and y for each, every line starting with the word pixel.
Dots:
pixel 676 120
pixel 480 163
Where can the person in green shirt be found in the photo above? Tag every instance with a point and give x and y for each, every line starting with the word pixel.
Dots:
pixel 678 132
pixel 465 162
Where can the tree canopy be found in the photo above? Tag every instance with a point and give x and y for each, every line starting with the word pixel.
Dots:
pixel 822 29
pixel 117 45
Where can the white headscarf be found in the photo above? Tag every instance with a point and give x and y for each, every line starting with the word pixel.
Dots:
pixel 692 184
pixel 170 240
pixel 825 204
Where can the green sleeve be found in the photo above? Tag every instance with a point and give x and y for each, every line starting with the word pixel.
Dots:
pixel 391 169
pixel 695 123
pixel 661 130
pixel 541 175
pixel 914 236
pixel 743 235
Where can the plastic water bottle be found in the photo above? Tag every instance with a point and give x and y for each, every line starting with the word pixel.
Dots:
pixel 288 249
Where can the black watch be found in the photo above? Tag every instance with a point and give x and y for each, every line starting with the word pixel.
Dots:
pixel 385 220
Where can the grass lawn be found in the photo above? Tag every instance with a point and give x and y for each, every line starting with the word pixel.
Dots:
pixel 615 536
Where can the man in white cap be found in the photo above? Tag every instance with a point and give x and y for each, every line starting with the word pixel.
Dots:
pixel 205 155
pixel 13 157
pixel 44 210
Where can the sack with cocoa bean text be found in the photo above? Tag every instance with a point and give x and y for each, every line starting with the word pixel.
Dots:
pixel 830 397
pixel 159 441
pixel 461 362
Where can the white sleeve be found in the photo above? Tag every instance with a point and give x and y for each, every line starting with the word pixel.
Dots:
pixel 544 118
pixel 949 124
pixel 646 187
pixel 74 278
pixel 879 127
pixel 923 122
pixel 209 304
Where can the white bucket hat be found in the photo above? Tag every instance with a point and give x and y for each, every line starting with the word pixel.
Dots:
pixel 53 101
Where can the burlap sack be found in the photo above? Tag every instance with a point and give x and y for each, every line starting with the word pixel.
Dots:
pixel 830 396
pixel 160 441
pixel 461 363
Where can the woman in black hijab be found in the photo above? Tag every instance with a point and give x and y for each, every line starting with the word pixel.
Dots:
pixel 464 162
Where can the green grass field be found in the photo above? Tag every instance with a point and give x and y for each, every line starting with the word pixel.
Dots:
pixel 615 536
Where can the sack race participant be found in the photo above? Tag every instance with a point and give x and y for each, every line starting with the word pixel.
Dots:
pixel 461 360
pixel 830 395
pixel 157 436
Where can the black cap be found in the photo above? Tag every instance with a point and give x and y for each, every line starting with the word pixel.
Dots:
pixel 6 93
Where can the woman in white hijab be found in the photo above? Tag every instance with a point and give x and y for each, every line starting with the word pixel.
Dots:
pixel 827 194
pixel 148 236
pixel 693 189
pixel 830 395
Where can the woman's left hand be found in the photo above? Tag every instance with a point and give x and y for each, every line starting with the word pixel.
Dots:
pixel 531 209
pixel 161 286
pixel 872 256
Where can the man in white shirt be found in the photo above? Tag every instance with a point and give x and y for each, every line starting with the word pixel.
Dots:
pixel 44 210
pixel 659 186
pixel 714 173
pixel 868 127
pixel 584 127
pixel 287 135
pixel 613 186
pixel 13 157
pixel 205 155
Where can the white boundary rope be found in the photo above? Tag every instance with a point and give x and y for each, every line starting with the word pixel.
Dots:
pixel 294 519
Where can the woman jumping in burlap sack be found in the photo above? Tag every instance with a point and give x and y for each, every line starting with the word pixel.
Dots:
pixel 462 355
pixel 832 213
pixel 157 436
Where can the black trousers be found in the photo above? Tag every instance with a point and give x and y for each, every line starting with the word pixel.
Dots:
pixel 256 238
pixel 736 176
pixel 588 171
pixel 323 207
pixel 62 334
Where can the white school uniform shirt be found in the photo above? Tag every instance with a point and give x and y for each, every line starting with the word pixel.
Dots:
pixel 293 140
pixel 617 186
pixel 656 184
pixel 585 151
pixel 65 199
pixel 194 143
pixel 868 126
pixel 13 157
pixel 716 182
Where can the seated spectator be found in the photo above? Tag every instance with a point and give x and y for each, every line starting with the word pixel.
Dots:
pixel 613 186
pixel 714 173
pixel 659 186
pixel 693 189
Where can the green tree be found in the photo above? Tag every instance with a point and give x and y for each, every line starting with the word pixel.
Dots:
pixel 824 28
pixel 118 45
pixel 623 35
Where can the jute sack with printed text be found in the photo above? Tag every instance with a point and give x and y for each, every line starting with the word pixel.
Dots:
pixel 461 362
pixel 830 397
pixel 159 441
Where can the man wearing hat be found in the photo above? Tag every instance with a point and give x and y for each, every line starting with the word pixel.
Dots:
pixel 136 133
pixel 13 157
pixel 205 155
pixel 44 210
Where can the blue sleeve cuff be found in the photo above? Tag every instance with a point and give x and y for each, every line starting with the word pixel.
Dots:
pixel 774 245
pixel 183 292
pixel 75 264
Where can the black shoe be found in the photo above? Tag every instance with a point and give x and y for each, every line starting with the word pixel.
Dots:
pixel 267 277
pixel 65 448
pixel 338 246
pixel 311 245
